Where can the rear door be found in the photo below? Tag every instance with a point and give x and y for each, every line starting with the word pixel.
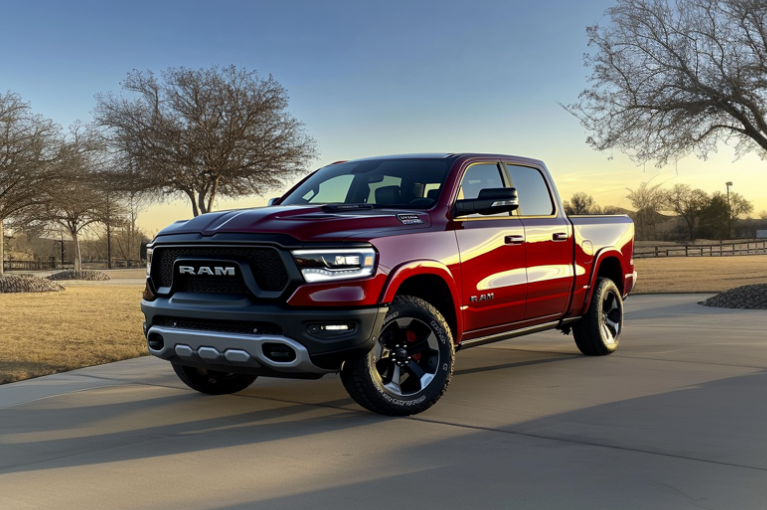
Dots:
pixel 492 251
pixel 548 243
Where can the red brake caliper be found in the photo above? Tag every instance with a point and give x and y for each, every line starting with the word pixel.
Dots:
pixel 411 338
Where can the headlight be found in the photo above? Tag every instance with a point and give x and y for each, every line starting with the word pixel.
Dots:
pixel 148 261
pixel 329 265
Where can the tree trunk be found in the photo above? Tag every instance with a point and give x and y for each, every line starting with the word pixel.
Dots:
pixel 690 227
pixel 201 200
pixel 195 210
pixel 109 247
pixel 132 234
pixel 78 262
pixel 212 195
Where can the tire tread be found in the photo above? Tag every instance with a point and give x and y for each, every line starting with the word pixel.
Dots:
pixel 360 386
pixel 586 331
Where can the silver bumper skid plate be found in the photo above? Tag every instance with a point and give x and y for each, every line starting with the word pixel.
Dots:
pixel 230 349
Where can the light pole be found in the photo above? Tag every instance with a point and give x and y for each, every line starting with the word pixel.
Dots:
pixel 729 210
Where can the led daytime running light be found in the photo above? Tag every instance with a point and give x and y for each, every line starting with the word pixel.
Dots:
pixel 331 265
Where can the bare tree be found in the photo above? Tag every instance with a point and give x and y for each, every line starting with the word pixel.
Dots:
pixel 581 203
pixel 672 79
pixel 647 202
pixel 27 149
pixel 76 202
pixel 137 196
pixel 111 205
pixel 206 133
pixel 739 206
pixel 763 214
pixel 688 203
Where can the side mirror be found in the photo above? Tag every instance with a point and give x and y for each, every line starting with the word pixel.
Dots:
pixel 489 201
pixel 272 201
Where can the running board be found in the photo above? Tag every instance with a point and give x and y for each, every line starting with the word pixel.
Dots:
pixel 517 332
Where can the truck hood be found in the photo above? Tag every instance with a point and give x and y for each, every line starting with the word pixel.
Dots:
pixel 305 223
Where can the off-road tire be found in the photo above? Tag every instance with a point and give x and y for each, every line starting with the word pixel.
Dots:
pixel 365 377
pixel 598 332
pixel 212 382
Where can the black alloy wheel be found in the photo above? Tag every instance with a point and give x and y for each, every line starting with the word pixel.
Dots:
pixel 599 331
pixel 411 364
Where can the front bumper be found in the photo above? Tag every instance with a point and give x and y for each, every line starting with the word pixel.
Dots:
pixel 236 352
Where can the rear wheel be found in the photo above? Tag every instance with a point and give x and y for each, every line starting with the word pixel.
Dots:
pixel 212 382
pixel 599 331
pixel 411 364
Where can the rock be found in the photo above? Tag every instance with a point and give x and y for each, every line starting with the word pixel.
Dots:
pixel 92 276
pixel 27 283
pixel 753 297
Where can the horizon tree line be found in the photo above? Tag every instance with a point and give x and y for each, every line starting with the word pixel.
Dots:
pixel 199 134
pixel 701 214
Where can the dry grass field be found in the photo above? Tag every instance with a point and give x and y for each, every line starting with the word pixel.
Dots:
pixel 699 274
pixel 99 322
pixel 57 331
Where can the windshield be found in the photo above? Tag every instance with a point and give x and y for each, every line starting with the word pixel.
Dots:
pixel 399 183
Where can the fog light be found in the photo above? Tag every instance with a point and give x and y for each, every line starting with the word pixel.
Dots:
pixel 330 330
pixel 336 327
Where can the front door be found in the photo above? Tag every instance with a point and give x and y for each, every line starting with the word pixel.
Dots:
pixel 492 251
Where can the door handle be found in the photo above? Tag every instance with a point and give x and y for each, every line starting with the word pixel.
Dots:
pixel 514 239
pixel 560 236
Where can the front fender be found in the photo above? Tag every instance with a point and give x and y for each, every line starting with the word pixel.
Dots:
pixel 423 267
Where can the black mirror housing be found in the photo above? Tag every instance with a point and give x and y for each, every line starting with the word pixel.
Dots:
pixel 489 201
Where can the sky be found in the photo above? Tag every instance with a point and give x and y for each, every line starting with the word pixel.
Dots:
pixel 367 78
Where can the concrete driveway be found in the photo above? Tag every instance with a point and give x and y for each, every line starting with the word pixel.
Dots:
pixel 676 419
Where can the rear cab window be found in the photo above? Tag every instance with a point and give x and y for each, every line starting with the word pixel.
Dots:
pixel 534 195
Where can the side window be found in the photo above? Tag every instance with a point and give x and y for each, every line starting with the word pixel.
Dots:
pixel 331 191
pixel 477 178
pixel 534 196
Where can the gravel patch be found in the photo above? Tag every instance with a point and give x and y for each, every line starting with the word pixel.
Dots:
pixel 27 283
pixel 752 297
pixel 93 276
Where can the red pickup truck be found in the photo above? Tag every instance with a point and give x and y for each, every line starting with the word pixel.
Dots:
pixel 381 269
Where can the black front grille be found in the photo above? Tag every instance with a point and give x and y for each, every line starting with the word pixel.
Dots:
pixel 242 327
pixel 265 263
pixel 211 284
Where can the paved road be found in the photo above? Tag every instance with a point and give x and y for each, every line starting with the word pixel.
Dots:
pixel 676 419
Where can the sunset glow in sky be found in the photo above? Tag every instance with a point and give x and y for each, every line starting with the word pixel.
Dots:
pixel 367 78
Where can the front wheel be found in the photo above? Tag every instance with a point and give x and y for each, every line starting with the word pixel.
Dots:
pixel 599 331
pixel 212 382
pixel 411 364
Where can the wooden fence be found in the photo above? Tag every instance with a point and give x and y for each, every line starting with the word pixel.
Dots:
pixel 28 265
pixel 43 265
pixel 703 250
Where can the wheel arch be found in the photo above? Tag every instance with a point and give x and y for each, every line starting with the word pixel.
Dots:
pixel 431 281
pixel 607 264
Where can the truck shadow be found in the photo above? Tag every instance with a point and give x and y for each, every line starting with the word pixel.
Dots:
pixel 715 421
